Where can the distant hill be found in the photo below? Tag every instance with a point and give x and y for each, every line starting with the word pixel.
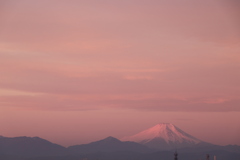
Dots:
pixel 163 139
pixel 109 144
pixel 29 146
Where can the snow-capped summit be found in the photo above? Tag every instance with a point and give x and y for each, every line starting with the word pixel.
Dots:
pixel 163 136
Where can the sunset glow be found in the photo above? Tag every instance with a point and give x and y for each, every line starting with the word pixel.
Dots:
pixel 70 69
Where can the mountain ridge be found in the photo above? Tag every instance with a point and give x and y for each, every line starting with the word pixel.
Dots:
pixel 29 146
pixel 32 148
pixel 109 144
pixel 164 136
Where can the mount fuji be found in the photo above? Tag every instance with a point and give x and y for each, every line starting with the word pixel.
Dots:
pixel 164 136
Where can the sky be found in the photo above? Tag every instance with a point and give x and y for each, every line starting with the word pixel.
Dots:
pixel 77 71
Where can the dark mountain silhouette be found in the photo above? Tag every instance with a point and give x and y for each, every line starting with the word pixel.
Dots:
pixel 109 144
pixel 29 146
pixel 208 147
pixel 231 148
pixel 35 148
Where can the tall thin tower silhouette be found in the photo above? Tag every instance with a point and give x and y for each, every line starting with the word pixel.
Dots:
pixel 207 157
pixel 176 156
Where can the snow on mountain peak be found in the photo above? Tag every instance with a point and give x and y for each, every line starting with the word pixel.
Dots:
pixel 164 131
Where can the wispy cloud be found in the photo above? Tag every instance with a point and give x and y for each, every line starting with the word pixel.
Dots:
pixel 125 49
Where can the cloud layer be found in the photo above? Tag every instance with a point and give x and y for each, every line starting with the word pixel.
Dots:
pixel 155 55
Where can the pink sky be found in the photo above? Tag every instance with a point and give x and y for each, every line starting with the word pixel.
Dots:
pixel 77 71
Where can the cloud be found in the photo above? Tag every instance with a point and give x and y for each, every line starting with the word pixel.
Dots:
pixel 85 102
pixel 120 54
pixel 58 85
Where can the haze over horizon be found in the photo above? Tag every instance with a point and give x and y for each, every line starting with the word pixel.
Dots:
pixel 73 72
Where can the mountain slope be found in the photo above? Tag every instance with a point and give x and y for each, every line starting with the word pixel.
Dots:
pixel 109 144
pixel 164 136
pixel 29 146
